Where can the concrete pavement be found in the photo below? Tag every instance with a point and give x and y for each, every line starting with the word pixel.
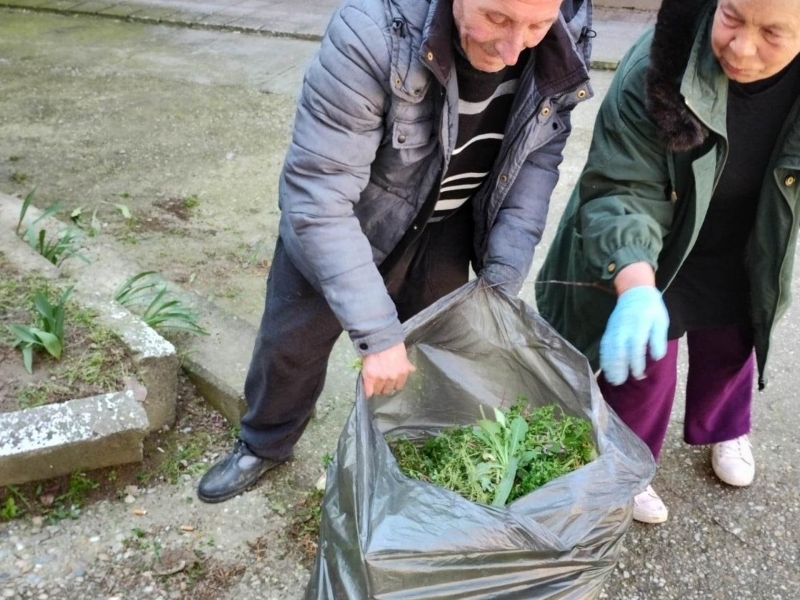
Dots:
pixel 616 28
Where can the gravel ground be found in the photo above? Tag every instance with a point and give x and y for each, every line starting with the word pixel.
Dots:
pixel 109 553
pixel 142 533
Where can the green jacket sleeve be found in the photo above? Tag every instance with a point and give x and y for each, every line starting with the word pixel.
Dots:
pixel 624 207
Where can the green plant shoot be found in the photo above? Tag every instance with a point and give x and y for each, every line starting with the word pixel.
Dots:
pixel 156 307
pixel 57 249
pixel 47 333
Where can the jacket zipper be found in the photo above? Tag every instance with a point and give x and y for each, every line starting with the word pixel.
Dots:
pixel 762 382
pixel 523 128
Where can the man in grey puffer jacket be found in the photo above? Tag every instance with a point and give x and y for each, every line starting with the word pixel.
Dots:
pixel 428 136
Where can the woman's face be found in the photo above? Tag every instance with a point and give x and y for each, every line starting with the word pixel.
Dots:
pixel 755 39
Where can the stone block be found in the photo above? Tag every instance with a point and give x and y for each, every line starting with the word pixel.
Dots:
pixel 217 387
pixel 57 439
pixel 156 361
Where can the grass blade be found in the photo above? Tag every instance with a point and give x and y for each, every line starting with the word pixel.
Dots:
pixel 136 288
pixel 51 210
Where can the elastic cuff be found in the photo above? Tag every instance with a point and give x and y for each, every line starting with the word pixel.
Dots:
pixel 623 257
pixel 379 341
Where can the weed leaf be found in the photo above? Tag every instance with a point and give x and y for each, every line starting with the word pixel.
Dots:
pixel 519 427
pixel 504 488
pixel 27 358
pixel 24 209
pixel 500 417
pixel 50 342
pixel 23 334
pixel 42 305
pixel 124 210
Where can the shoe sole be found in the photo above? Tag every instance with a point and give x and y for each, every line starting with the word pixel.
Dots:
pixel 735 482
pixel 742 482
pixel 218 499
pixel 650 519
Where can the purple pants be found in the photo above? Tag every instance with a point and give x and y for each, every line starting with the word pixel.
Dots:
pixel 719 390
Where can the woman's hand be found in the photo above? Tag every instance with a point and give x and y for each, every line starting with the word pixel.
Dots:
pixel 639 320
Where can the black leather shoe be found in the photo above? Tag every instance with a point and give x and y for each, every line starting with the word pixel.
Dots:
pixel 234 474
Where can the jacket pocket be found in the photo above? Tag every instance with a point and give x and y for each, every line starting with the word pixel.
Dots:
pixel 400 164
pixel 411 134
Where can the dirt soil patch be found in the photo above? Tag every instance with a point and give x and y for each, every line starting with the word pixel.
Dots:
pixel 94 361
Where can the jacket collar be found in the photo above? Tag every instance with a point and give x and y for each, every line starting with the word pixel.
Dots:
pixel 558 65
pixel 437 40
pixel 704 85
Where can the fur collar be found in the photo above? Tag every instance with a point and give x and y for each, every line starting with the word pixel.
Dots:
pixel 672 44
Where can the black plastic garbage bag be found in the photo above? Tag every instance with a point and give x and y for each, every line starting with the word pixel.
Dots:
pixel 386 536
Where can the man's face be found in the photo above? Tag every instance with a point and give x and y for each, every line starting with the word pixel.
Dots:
pixel 494 32
pixel 755 39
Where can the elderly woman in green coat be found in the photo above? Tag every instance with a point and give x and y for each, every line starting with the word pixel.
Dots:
pixel 684 222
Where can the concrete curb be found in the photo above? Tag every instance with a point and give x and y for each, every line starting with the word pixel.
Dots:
pixel 219 376
pixel 221 392
pixel 147 406
pixel 56 439
pixel 155 358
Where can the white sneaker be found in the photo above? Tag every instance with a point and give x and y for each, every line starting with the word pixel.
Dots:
pixel 648 507
pixel 733 462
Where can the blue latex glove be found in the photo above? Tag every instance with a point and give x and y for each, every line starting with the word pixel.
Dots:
pixel 639 319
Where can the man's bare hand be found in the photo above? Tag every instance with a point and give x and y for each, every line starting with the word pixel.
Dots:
pixel 387 371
